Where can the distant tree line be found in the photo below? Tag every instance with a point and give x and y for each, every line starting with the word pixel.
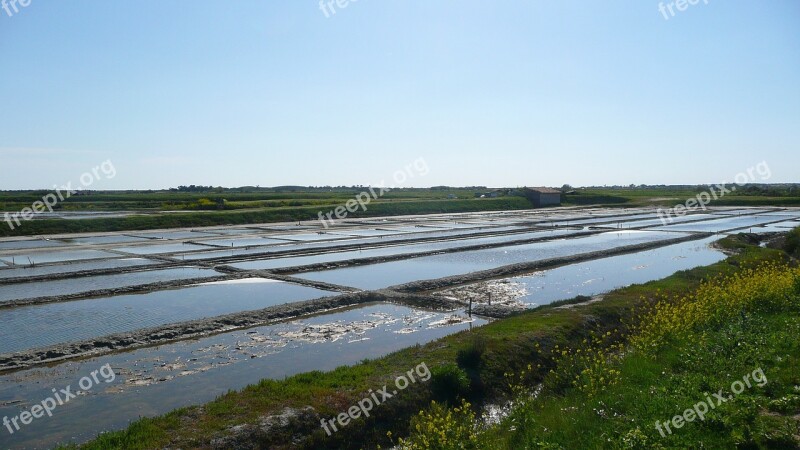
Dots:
pixel 193 188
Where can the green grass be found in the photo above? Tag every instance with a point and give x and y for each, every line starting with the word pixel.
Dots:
pixel 683 374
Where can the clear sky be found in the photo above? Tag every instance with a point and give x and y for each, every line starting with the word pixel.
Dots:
pixel 500 93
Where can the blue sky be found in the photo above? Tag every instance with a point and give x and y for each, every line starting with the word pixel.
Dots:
pixel 502 93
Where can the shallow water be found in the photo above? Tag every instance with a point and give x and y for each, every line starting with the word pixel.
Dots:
pixel 235 231
pixel 422 229
pixel 659 222
pixel 720 225
pixel 156 380
pixel 303 227
pixel 734 211
pixel 161 248
pixel 76 285
pixel 377 276
pixel 302 237
pixel 243 242
pixel 428 232
pixel 332 245
pixel 112 239
pixel 185 235
pixel 57 256
pixel 392 250
pixel 790 215
pixel 38 326
pixel 779 227
pixel 601 219
pixel 23 245
pixel 603 275
pixel 367 233
pixel 455 225
pixel 73 267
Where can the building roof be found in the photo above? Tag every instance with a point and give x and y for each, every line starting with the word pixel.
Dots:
pixel 544 190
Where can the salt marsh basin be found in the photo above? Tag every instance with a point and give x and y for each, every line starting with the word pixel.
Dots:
pixel 221 308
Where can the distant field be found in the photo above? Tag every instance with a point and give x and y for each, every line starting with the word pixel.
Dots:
pixel 670 196
pixel 211 207
pixel 206 209
pixel 226 199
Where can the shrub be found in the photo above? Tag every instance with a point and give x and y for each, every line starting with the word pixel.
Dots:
pixel 449 382
pixel 768 288
pixel 792 245
pixel 440 428
pixel 471 357
pixel 789 404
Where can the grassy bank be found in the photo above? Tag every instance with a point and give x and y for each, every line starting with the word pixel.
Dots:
pixel 718 367
pixel 468 365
